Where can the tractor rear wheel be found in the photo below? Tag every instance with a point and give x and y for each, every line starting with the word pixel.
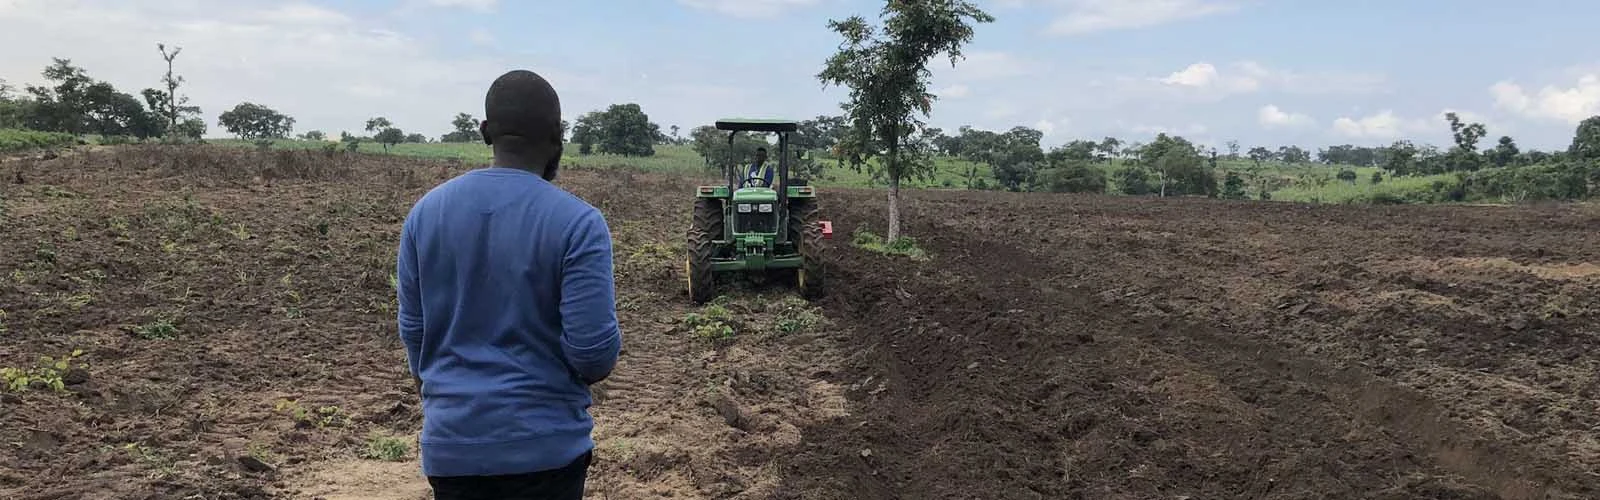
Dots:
pixel 704 229
pixel 806 232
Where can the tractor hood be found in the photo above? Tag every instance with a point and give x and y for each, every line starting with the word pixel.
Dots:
pixel 755 195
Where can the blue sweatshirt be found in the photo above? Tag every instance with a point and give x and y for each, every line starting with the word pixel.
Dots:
pixel 508 313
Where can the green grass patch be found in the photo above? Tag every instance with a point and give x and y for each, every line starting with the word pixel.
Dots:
pixel 47 373
pixel 949 173
pixel 386 448
pixel 713 322
pixel 904 245
pixel 161 329
pixel 795 315
pixel 12 140
pixel 1416 189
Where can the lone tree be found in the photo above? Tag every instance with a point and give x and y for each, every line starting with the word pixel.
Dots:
pixel 387 134
pixel 466 130
pixel 1586 141
pixel 888 81
pixel 1504 153
pixel 254 121
pixel 1259 154
pixel 626 130
pixel 1465 155
pixel 171 107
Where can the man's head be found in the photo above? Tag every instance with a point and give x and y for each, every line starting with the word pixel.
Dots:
pixel 761 155
pixel 522 121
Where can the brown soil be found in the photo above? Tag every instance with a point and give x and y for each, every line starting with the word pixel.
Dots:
pixel 1053 346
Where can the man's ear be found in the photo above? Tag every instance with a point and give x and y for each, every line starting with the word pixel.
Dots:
pixel 553 166
pixel 483 130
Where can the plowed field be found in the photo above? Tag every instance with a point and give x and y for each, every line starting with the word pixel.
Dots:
pixel 232 316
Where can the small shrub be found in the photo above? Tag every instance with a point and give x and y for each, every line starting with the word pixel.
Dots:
pixel 47 373
pixel 1072 177
pixel 46 253
pixel 321 417
pixel 904 245
pixel 795 316
pixel 1233 187
pixel 714 322
pixel 386 448
pixel 161 329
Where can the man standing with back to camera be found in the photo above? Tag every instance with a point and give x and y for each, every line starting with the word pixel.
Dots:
pixel 508 311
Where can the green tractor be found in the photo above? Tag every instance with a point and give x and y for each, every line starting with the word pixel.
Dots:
pixel 748 226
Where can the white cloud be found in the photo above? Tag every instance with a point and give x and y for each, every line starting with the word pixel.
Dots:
pixel 1191 129
pixel 1196 75
pixel 477 5
pixel 328 69
pixel 1203 75
pixel 979 65
pixel 1000 110
pixel 1245 77
pixel 1094 16
pixel 956 91
pixel 481 36
pixel 301 13
pixel 1045 126
pixel 749 9
pixel 1383 125
pixel 1274 117
pixel 1569 105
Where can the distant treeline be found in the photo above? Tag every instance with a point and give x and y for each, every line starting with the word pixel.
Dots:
pixel 74 103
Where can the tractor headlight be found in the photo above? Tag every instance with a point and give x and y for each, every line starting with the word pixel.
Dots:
pixel 766 208
pixel 744 208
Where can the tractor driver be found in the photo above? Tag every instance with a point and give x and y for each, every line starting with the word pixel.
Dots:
pixel 760 168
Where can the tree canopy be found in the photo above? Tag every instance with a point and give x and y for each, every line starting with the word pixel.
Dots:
pixel 249 120
pixel 465 129
pixel 886 72
pixel 622 129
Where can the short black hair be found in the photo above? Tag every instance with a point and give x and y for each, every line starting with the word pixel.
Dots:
pixel 761 149
pixel 522 109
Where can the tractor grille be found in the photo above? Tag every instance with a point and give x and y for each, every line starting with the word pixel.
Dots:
pixel 756 223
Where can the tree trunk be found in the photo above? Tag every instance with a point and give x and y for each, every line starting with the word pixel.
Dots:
pixel 894 185
pixel 894 208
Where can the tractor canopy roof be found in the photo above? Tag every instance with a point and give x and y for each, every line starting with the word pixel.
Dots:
pixel 757 125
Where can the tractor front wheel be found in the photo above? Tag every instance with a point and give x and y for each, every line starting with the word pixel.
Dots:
pixel 806 231
pixel 704 229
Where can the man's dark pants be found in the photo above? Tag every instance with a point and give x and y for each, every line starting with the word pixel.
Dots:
pixel 565 483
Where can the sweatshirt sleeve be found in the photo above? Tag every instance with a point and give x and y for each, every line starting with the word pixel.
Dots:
pixel 409 317
pixel 591 338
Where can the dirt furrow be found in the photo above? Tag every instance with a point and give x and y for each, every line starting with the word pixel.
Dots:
pixel 1166 405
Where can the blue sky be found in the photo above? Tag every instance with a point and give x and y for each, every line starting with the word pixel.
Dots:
pixel 1262 72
